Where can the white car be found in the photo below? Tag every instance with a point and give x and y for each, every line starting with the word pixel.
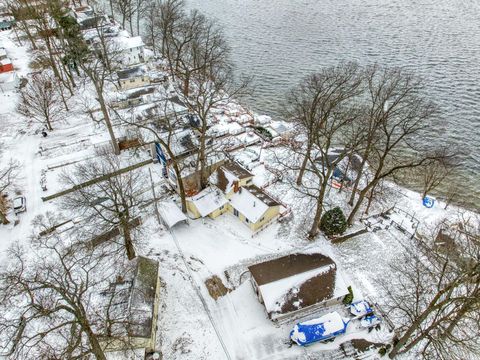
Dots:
pixel 19 205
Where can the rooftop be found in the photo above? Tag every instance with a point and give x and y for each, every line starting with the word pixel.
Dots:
pixel 227 174
pixel 297 281
pixel 125 42
pixel 252 202
pixel 208 200
pixel 287 266
pixel 131 72
pixel 134 296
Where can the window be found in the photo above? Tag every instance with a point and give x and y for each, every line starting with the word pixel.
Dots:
pixel 235 212
pixel 221 207
pixel 246 220
pixel 263 218
pixel 132 80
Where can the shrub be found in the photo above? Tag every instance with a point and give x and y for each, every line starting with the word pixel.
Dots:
pixel 264 132
pixel 333 222
pixel 347 300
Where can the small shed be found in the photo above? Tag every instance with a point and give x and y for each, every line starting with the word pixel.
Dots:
pixel 6 65
pixel 297 282
pixel 171 214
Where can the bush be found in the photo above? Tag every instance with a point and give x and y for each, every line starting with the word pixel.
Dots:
pixel 264 132
pixel 347 300
pixel 333 222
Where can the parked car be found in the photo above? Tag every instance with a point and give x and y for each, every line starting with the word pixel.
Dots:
pixel 19 204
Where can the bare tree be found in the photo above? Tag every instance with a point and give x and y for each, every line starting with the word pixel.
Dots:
pixel 127 10
pixel 171 15
pixel 98 63
pixel 335 141
pixel 22 11
pixel 164 127
pixel 325 110
pixel 434 294
pixel 108 197
pixel 49 299
pixel 199 56
pixel 41 100
pixel 162 17
pixel 436 173
pixel 401 115
pixel 8 176
pixel 312 102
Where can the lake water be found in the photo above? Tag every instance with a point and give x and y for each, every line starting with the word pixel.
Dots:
pixel 279 41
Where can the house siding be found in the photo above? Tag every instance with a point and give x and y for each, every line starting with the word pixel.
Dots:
pixel 268 216
pixel 138 81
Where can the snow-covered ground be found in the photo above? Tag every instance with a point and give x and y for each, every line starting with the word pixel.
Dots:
pixel 192 325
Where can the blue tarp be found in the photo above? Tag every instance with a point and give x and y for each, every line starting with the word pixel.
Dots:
pixel 361 308
pixel 323 328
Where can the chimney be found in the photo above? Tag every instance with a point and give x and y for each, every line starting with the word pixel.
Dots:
pixel 235 186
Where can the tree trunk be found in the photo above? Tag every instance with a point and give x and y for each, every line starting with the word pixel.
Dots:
pixel 106 117
pixel 186 85
pixel 342 184
pixel 138 20
pixel 370 198
pixel 355 209
pixel 304 164
pixel 432 306
pixel 181 188
pixel 318 212
pixel 94 344
pixel 316 220
pixel 131 25
pixel 357 179
pixel 49 124
pixel 111 7
pixel 3 218
pixel 203 161
pixel 128 238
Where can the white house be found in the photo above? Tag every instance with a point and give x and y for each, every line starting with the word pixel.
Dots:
pixel 132 48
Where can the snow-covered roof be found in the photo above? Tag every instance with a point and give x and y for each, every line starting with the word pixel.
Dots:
pixel 131 72
pixel 208 200
pixel 252 202
pixel 296 281
pixel 227 174
pixel 170 213
pixel 134 297
pixel 263 119
pixel 5 61
pixel 126 42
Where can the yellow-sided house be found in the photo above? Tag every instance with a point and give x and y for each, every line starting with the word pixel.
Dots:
pixel 133 78
pixel 233 191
